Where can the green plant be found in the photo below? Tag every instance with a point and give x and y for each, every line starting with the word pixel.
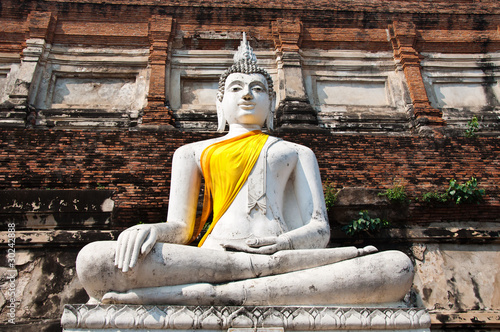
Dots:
pixel 434 197
pixel 472 127
pixel 365 223
pixel 465 193
pixel 396 194
pixel 330 195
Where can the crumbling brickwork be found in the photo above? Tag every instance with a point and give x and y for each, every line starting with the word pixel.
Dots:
pixel 136 165
pixel 432 64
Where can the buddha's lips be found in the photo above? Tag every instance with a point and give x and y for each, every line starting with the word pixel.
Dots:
pixel 246 106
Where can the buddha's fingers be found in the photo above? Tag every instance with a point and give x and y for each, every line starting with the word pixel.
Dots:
pixel 261 242
pixel 150 241
pixel 129 249
pixel 121 247
pixel 133 252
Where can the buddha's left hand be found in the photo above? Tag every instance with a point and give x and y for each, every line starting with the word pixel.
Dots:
pixel 265 245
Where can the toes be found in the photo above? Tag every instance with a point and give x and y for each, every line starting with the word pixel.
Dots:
pixel 109 298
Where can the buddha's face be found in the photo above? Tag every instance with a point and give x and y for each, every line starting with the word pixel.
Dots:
pixel 246 99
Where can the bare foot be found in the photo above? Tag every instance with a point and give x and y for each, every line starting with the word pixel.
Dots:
pixel 93 300
pixel 367 250
pixel 164 294
pixel 128 297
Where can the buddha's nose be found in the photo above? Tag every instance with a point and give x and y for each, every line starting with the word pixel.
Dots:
pixel 247 94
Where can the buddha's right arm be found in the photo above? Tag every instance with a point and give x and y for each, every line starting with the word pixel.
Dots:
pixel 183 200
pixel 184 191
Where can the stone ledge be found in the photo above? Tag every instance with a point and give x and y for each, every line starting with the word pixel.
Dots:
pixel 76 238
pixel 57 208
pixel 470 233
pixel 485 319
pixel 213 318
pixel 452 232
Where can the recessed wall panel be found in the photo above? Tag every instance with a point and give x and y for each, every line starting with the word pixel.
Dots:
pixel 352 93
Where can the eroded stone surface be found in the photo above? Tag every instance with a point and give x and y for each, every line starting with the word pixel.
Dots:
pixel 45 281
pixel 458 277
pixel 39 209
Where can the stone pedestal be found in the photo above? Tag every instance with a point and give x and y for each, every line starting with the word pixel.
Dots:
pixel 236 318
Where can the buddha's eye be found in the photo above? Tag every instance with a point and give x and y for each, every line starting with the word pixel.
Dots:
pixel 235 88
pixel 258 89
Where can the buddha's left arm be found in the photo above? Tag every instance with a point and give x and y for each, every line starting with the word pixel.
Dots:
pixel 315 232
pixel 311 202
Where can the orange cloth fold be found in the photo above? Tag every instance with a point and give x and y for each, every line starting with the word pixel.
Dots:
pixel 226 166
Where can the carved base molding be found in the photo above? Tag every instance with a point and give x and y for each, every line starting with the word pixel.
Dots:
pixel 236 318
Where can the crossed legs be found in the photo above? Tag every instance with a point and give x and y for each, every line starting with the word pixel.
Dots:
pixel 178 274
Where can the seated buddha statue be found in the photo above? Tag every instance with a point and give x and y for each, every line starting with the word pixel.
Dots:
pixel 267 242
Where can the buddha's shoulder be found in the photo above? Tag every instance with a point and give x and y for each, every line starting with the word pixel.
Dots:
pixel 287 146
pixel 276 145
pixel 195 149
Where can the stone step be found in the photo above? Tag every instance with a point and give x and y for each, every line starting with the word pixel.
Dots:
pixel 12 115
pixel 12 123
pixel 77 123
pixel 195 115
pixel 82 113
pixel 82 118
pixel 61 208
pixel 195 119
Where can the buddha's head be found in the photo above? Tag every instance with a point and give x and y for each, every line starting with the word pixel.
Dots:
pixel 245 94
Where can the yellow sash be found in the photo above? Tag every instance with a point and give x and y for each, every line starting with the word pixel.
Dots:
pixel 226 166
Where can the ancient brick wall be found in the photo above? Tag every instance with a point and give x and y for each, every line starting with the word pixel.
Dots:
pixel 135 165
pixel 99 167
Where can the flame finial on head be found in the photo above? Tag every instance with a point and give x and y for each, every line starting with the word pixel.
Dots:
pixel 245 52
pixel 245 61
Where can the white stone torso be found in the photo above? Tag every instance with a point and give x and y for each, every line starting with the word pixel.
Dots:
pixel 237 223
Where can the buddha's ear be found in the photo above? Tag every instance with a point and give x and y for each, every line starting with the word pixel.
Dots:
pixel 221 120
pixel 270 116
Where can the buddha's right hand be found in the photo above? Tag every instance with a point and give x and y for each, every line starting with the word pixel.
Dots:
pixel 133 241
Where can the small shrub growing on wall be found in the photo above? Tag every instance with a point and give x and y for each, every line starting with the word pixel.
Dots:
pixel 396 194
pixel 365 224
pixel 330 195
pixel 458 193
pixel 465 193
pixel 434 197
pixel 472 127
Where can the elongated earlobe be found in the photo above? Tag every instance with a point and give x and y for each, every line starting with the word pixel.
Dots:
pixel 270 116
pixel 221 120
pixel 270 121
